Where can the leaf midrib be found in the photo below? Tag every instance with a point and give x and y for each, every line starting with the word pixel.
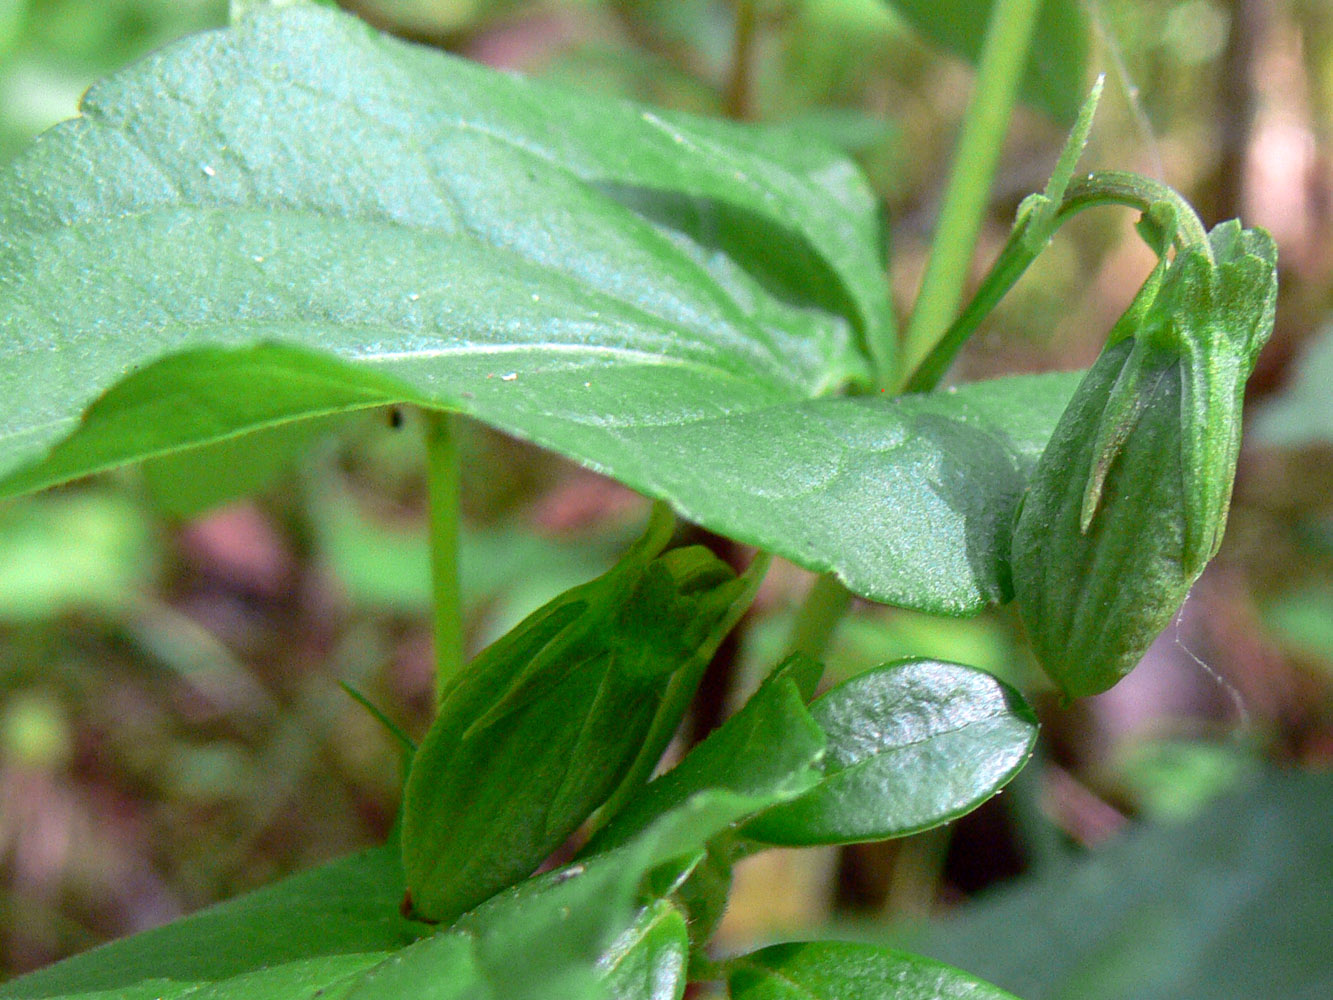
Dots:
pixel 554 276
pixel 908 745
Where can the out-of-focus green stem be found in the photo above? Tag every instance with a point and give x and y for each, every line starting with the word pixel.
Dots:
pixel 443 475
pixel 818 618
pixel 1004 57
pixel 739 98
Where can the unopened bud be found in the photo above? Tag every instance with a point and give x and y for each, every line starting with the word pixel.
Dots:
pixel 1129 500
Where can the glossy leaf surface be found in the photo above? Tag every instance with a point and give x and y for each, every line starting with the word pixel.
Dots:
pixel 843 970
pixel 1058 64
pixel 657 297
pixel 648 961
pixel 911 745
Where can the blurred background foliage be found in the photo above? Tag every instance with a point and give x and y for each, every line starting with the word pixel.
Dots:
pixel 171 727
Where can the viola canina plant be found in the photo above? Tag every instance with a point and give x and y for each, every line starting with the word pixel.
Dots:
pixel 296 216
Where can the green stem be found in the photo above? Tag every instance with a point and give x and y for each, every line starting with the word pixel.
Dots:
pixel 999 72
pixel 1121 187
pixel 819 616
pixel 442 474
pixel 738 101
pixel 918 865
pixel 1108 187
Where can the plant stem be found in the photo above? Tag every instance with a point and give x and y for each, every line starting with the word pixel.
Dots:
pixel 1107 187
pixel 824 608
pixel 999 71
pixel 917 867
pixel 739 99
pixel 442 475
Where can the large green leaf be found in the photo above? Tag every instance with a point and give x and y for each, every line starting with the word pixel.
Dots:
pixel 908 500
pixel 337 929
pixel 657 297
pixel 845 970
pixel 1232 904
pixel 1056 79
pixel 910 745
pixel 299 177
pixel 322 923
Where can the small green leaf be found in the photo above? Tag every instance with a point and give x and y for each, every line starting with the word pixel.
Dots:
pixel 766 748
pixel 558 927
pixel 648 961
pixel 704 892
pixel 546 724
pixel 844 970
pixel 1057 67
pixel 911 745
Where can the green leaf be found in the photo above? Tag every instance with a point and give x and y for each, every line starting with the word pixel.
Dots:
pixel 313 927
pixel 186 483
pixel 767 747
pixel 908 500
pixel 1231 905
pixel 844 970
pixel 442 967
pixel 569 934
pixel 338 929
pixel 656 297
pixel 566 922
pixel 911 745
pixel 1056 80
pixel 648 961
pixel 546 723
pixel 479 230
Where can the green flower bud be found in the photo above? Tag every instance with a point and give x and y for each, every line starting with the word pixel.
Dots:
pixel 1129 500
pixel 547 724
